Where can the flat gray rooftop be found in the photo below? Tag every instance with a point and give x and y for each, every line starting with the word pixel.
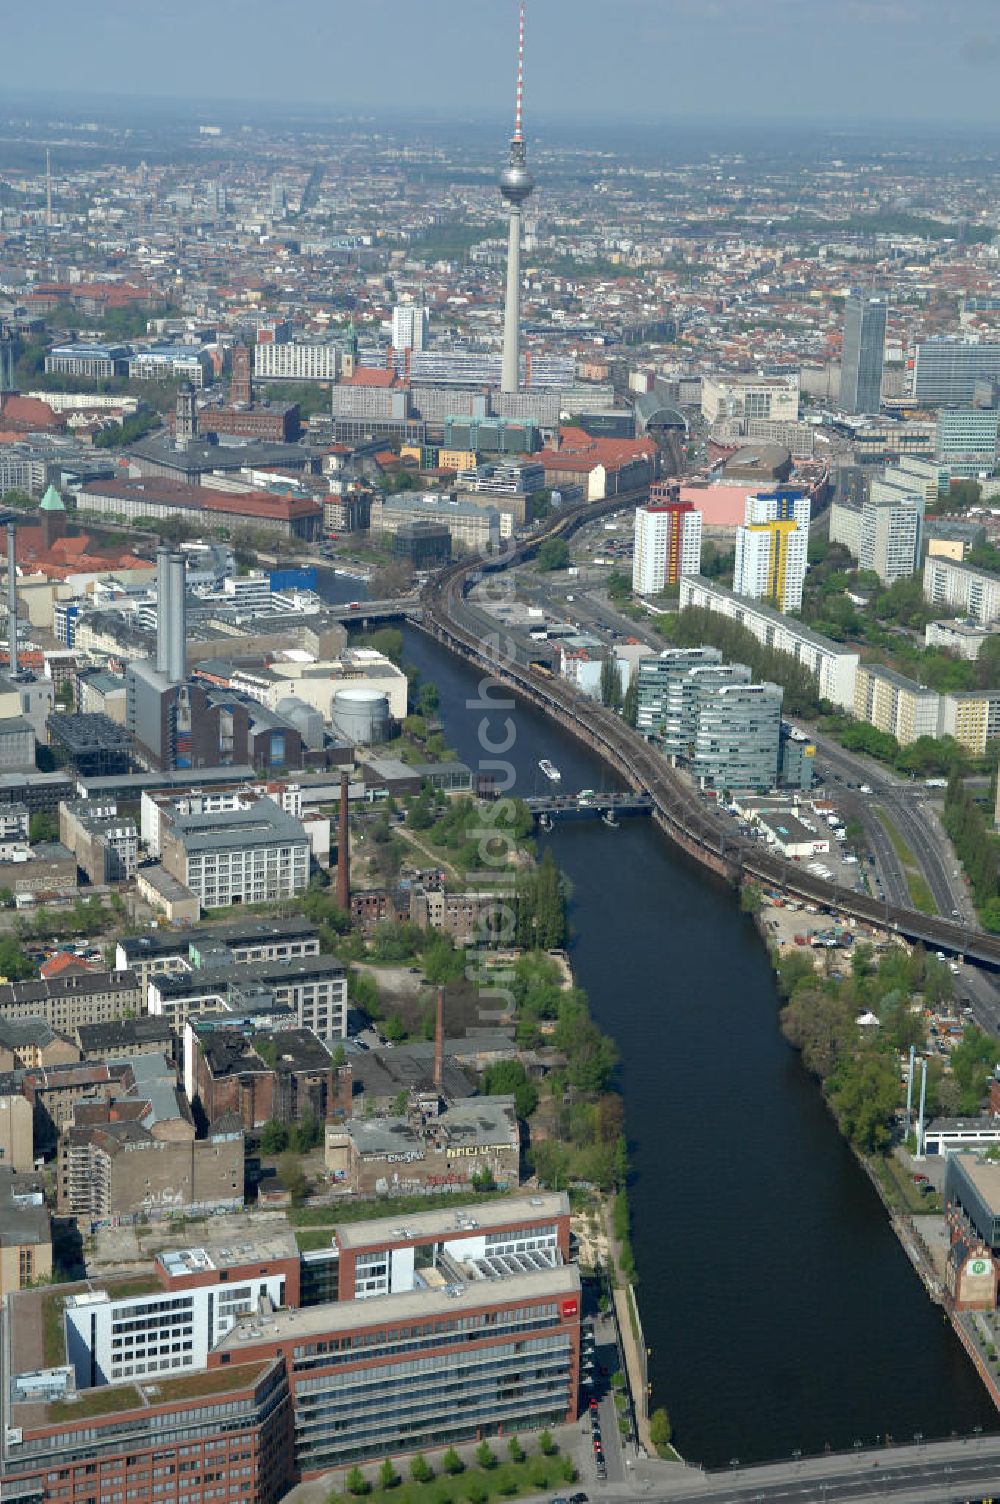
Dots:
pixel 355 1315
pixel 506 1211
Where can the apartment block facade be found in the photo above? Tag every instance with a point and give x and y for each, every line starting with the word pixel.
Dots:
pixel 963 590
pixel 834 665
pixel 772 548
pixel 896 705
pixel 667 542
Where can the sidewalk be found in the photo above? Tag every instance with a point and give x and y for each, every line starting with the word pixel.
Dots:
pixel 635 1369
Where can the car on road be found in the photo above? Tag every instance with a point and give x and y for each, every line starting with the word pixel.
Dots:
pixel 593 1403
pixel 578 1499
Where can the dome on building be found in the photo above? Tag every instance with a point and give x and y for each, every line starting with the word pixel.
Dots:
pixel 52 501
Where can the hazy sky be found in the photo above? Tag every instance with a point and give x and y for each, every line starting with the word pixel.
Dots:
pixel 929 60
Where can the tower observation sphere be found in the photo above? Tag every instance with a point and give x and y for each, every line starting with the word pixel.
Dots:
pixel 516 181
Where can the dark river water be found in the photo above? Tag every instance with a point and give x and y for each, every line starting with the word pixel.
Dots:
pixel 780 1309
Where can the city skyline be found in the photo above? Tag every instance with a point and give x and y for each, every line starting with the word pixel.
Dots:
pixel 788 65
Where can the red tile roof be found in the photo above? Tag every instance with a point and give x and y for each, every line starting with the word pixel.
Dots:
pixel 28 413
pixel 370 376
pixel 63 964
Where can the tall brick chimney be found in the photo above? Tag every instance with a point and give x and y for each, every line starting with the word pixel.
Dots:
pixel 343 851
pixel 439 1041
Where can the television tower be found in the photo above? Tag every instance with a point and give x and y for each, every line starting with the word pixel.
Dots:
pixel 48 188
pixel 516 183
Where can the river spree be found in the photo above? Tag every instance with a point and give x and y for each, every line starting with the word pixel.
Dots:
pixel 780 1309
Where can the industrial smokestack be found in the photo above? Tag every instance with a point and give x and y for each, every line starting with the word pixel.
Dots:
pixel 909 1088
pixel 923 1099
pixel 176 645
pixel 12 596
pixel 439 1041
pixel 162 609
pixel 343 851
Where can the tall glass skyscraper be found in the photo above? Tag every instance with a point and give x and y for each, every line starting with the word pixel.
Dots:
pixel 864 350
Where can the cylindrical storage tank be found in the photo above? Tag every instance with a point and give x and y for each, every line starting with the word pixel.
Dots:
pixel 307 721
pixel 361 716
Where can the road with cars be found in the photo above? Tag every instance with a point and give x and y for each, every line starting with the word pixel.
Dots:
pixel 909 805
pixel 905 802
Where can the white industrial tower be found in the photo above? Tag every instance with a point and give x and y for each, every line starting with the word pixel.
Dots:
pixel 516 184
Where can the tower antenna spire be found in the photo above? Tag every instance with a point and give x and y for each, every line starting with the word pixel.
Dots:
pixel 516 184
pixel 518 134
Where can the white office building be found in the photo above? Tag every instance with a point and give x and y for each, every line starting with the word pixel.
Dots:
pixel 964 590
pixel 409 327
pixel 891 531
pixel 946 370
pixel 165 1332
pixel 966 440
pixel 296 361
pixel 737 396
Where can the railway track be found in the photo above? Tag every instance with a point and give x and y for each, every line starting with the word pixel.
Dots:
pixel 678 809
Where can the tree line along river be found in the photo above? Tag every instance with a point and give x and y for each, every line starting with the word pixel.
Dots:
pixel 780 1308
pixel 781 1311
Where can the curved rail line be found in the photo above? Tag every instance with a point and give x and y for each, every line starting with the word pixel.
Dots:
pixel 685 817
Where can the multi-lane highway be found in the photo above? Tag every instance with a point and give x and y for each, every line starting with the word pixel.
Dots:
pixel 905 802
pixel 916 1474
pixel 678 808
pixel 909 807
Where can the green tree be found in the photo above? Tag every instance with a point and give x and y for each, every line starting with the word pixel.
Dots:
pixel 630 701
pixel 972 1064
pixel 452 1462
pixel 14 964
pixel 394 1029
pixel 442 962
pixel 356 1483
pixel 864 1093
pixel 553 554
pixel 429 699
pixel 508 1078
pixel 387 1474
pixel 660 1430
pixel 541 906
pixel 821 1026
pixel 476 1491
pixel 42 827
pixel 308 1133
pixel 420 1469
pixel 611 683
pixel 515 1450
pixel 546 1445
pixel 751 899
pixel 292 1177
pixel 485 1456
pixel 273 1137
